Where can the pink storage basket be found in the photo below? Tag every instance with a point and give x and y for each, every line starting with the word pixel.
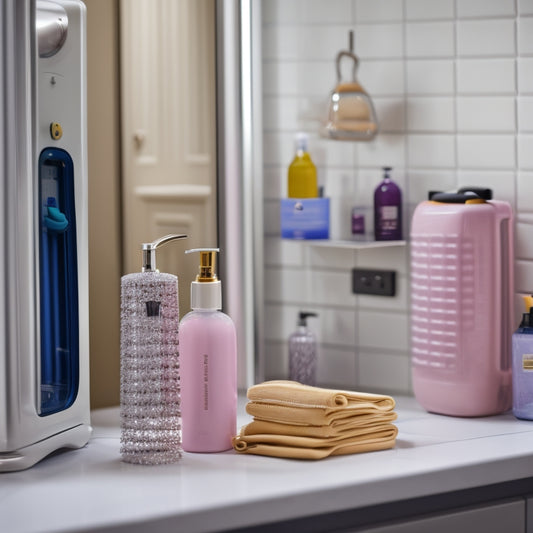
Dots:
pixel 461 304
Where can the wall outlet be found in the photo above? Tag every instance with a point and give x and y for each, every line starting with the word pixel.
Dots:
pixel 375 282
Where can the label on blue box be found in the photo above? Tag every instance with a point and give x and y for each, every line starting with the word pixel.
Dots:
pixel 305 218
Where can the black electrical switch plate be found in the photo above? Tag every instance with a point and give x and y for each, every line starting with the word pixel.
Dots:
pixel 374 282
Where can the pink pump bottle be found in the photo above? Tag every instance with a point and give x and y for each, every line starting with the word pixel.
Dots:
pixel 208 362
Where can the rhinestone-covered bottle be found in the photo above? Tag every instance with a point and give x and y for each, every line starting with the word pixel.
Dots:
pixel 149 364
pixel 303 353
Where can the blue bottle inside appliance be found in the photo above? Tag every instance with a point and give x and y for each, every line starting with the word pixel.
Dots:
pixel 58 282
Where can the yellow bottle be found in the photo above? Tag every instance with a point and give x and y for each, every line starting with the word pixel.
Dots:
pixel 302 179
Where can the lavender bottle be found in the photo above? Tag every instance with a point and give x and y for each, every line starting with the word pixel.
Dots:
pixel 303 353
pixel 387 210
pixel 523 368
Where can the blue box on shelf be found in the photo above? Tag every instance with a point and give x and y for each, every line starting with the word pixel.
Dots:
pixel 305 218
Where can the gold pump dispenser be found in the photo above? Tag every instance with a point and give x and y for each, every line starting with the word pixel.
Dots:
pixel 206 270
pixel 206 291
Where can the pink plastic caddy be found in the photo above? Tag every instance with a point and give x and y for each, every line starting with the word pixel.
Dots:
pixel 461 303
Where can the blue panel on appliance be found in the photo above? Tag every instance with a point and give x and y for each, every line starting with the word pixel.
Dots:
pixel 58 282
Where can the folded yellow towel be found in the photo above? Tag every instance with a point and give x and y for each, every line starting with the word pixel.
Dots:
pixel 302 422
pixel 298 395
pixel 290 402
pixel 380 438
pixel 336 429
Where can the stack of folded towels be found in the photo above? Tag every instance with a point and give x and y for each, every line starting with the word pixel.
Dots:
pixel 302 422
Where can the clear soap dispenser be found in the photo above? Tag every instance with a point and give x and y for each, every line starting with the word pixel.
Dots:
pixel 303 352
pixel 208 357
pixel 149 364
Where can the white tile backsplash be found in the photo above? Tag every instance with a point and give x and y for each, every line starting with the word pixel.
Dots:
pixel 525 7
pixel 525 75
pixel 485 8
pixel 525 152
pixel 524 241
pixel 306 11
pixel 486 76
pixel 523 276
pixel 431 114
pixel 382 78
pixel 382 330
pixel 336 367
pixel 276 361
pixel 296 42
pixel 274 182
pixel 280 113
pixel 486 37
pixel 431 151
pixel 525 113
pixel 423 180
pixel 378 10
pixel 486 151
pixel 429 39
pixel 486 114
pixel 390 113
pixel 429 9
pixel 335 327
pixel 379 40
pixel 384 373
pixel 322 257
pixel 525 32
pixel 289 285
pixel 271 220
pixel 452 84
pixel 502 182
pixel 297 78
pixel 386 149
pixel 331 288
pixel 524 189
pixel 371 258
pixel 283 252
pixel 428 77
pixel 327 153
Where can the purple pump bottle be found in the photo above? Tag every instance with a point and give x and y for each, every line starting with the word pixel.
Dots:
pixel 523 368
pixel 387 210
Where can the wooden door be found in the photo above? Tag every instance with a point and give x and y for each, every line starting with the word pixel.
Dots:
pixel 168 131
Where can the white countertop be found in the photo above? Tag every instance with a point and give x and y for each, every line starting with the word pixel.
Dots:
pixel 92 489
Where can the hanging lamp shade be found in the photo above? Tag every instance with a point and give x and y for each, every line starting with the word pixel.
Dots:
pixel 350 115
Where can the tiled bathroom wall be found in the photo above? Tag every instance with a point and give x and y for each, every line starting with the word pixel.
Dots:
pixel 452 83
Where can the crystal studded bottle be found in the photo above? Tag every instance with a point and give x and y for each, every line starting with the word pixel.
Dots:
pixel 303 352
pixel 149 364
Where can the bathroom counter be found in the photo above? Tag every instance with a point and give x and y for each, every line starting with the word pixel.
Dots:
pixel 437 461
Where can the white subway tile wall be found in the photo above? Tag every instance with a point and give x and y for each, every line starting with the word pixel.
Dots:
pixel 452 83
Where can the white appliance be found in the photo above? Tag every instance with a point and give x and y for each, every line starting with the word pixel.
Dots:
pixel 44 303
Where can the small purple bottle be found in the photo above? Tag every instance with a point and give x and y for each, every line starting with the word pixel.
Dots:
pixel 523 368
pixel 387 210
